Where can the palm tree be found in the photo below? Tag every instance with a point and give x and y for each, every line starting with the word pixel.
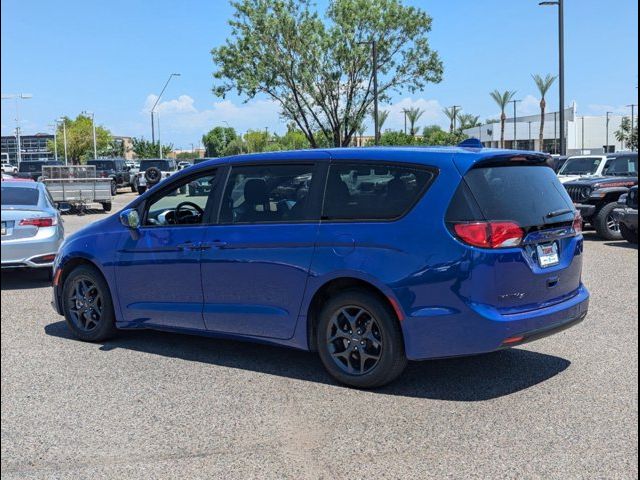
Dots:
pixel 468 121
pixel 543 84
pixel 452 114
pixel 502 99
pixel 413 115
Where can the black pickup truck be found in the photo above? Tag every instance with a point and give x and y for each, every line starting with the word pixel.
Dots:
pixel 116 169
pixel 33 168
pixel 597 197
pixel 627 215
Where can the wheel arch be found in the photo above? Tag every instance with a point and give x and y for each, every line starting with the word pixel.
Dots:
pixel 338 284
pixel 67 266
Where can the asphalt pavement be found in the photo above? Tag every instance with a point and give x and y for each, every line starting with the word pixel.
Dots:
pixel 160 405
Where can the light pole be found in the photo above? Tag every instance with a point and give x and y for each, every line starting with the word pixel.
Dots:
pixel 153 138
pixel 16 97
pixel 455 109
pixel 633 110
pixel 404 110
pixel 560 5
pixel 93 127
pixel 64 137
pixel 374 70
pixel 606 143
pixel 55 139
pixel 515 123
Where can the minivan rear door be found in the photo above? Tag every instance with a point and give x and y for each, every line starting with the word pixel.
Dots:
pixel 547 266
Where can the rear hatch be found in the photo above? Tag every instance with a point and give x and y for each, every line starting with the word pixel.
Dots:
pixel 523 233
pixel 19 208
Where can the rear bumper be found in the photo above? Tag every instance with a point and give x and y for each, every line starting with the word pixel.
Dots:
pixel 483 329
pixel 28 252
pixel 587 211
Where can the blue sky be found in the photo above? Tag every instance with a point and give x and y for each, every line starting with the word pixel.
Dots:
pixel 111 57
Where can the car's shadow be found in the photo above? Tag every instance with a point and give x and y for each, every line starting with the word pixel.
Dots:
pixel 626 245
pixel 467 379
pixel 25 278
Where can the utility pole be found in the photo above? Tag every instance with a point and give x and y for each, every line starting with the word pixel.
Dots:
pixel 405 120
pixel 515 123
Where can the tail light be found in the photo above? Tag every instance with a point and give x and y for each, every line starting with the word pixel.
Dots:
pixel 490 234
pixel 38 222
pixel 577 223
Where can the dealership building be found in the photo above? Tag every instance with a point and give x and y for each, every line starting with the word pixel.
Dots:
pixel 32 147
pixel 585 135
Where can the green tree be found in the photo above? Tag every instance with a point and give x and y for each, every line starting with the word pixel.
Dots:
pixel 320 71
pixel 256 140
pixel 413 115
pixel 625 135
pixel 395 138
pixel 217 139
pixel 294 139
pixel 234 147
pixel 452 114
pixel 433 135
pixel 543 84
pixel 502 99
pixel 80 139
pixel 146 149
pixel 382 117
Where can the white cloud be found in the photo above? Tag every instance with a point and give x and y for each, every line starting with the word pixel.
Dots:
pixel 529 105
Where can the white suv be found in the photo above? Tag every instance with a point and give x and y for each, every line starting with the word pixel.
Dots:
pixel 153 171
pixel 8 167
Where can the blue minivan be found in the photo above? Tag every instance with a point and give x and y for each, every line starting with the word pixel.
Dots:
pixel 371 257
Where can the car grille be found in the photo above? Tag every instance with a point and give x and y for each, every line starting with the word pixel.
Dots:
pixel 578 193
pixel 632 199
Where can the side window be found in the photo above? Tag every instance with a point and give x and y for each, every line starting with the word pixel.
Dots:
pixel 185 204
pixel 372 192
pixel 267 193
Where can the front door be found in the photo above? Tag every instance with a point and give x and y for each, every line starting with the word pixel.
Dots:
pixel 255 273
pixel 158 267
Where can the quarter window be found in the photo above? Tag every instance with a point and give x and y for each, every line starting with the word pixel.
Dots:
pixel 372 192
pixel 267 193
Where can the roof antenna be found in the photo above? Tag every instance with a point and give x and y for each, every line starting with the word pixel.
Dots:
pixel 471 143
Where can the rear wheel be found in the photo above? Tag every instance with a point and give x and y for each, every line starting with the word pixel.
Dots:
pixel 359 340
pixel 134 187
pixel 629 235
pixel 606 224
pixel 141 190
pixel 87 305
pixel 114 188
pixel 106 206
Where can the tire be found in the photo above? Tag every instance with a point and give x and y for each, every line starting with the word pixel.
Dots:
pixel 629 235
pixel 378 333
pixel 96 322
pixel 141 190
pixel 604 224
pixel 114 188
pixel 106 206
pixel 134 187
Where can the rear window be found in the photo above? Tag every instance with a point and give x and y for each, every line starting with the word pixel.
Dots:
pixel 372 192
pixel 523 194
pixel 162 165
pixel 19 196
pixel 103 164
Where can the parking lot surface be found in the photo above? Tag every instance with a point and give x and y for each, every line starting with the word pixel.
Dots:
pixel 160 405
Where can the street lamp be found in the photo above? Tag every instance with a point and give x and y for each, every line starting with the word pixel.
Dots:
pixel 16 97
pixel 633 108
pixel 515 123
pixel 606 143
pixel 55 139
pixel 374 58
pixel 560 5
pixel 153 137
pixel 93 126
pixel 64 137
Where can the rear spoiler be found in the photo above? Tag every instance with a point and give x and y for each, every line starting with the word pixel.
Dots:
pixel 514 158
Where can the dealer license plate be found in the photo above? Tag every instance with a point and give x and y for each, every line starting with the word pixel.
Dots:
pixel 548 254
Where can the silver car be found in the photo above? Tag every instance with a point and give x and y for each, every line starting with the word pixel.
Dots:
pixel 32 229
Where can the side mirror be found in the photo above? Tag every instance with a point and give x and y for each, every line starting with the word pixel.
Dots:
pixel 130 218
pixel 64 207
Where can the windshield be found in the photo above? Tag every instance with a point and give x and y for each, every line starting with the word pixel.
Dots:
pixel 102 164
pixel 163 165
pixel 622 166
pixel 581 166
pixel 19 196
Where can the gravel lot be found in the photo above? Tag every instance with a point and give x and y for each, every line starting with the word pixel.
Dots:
pixel 157 405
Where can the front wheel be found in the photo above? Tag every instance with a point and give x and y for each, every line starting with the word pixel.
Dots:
pixel 360 341
pixel 629 235
pixel 87 305
pixel 605 223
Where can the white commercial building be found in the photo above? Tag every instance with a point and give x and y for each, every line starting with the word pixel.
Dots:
pixel 585 135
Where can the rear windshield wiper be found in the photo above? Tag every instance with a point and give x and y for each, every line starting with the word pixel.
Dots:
pixel 558 213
